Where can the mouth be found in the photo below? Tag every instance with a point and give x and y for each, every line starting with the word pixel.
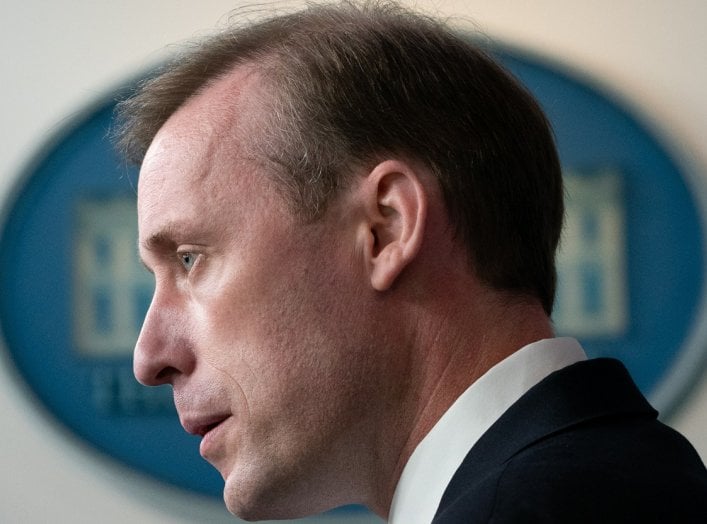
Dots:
pixel 201 427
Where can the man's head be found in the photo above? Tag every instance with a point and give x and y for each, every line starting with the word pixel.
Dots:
pixel 256 321
pixel 309 186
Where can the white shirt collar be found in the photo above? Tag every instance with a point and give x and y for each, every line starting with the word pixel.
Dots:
pixel 437 457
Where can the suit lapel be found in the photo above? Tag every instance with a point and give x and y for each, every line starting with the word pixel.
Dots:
pixel 573 395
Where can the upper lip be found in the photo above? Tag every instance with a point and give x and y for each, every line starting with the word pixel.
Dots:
pixel 202 425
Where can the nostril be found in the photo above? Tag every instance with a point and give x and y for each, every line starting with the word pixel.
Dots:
pixel 165 374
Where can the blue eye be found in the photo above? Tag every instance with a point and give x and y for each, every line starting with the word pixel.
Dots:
pixel 187 259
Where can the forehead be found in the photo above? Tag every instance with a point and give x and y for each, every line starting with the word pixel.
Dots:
pixel 211 125
pixel 201 154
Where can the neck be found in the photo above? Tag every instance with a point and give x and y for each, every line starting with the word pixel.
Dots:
pixel 448 352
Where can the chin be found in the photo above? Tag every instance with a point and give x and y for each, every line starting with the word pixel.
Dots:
pixel 239 505
pixel 251 511
pixel 265 501
pixel 251 500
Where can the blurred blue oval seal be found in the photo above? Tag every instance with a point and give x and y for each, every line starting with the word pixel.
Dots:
pixel 631 271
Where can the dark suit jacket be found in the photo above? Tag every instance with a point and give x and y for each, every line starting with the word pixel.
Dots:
pixel 581 446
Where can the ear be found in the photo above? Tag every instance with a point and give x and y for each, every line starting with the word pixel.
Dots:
pixel 395 203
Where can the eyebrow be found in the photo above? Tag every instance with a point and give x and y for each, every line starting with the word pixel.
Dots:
pixel 161 241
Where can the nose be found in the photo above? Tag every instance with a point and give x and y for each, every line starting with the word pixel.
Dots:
pixel 162 352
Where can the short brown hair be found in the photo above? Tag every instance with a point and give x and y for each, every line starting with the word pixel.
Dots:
pixel 353 82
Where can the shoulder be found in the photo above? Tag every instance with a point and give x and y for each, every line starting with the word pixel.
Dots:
pixel 603 471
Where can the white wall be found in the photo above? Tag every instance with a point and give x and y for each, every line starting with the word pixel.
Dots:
pixel 59 55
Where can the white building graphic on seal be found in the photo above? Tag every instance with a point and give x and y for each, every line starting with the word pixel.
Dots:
pixel 592 294
pixel 111 288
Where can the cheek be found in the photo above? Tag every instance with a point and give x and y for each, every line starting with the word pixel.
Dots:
pixel 239 336
pixel 276 324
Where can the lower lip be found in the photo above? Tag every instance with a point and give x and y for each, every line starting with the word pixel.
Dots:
pixel 208 442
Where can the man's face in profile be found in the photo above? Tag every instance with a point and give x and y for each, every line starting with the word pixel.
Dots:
pixel 257 320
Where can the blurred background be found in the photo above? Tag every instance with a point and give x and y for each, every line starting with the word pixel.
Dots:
pixel 60 57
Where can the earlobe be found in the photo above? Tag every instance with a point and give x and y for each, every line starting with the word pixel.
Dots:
pixel 396 214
